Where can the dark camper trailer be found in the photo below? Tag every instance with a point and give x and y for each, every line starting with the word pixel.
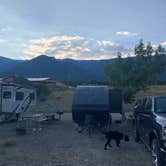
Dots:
pixel 96 101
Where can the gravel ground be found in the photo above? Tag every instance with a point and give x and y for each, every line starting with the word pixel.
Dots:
pixel 58 144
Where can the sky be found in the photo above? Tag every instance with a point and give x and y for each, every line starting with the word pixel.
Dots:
pixel 79 29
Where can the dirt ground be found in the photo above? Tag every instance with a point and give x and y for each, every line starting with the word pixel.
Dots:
pixel 58 144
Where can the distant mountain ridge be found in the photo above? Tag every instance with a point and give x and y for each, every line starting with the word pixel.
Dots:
pixel 7 64
pixel 67 70
pixel 44 66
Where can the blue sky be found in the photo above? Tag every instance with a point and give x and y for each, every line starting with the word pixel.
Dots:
pixel 79 29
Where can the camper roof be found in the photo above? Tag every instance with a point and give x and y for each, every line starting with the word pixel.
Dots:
pixel 91 95
pixel 16 85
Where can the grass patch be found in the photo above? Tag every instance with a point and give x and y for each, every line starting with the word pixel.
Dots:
pixel 2 151
pixel 4 146
pixel 8 143
pixel 58 100
pixel 152 90
pixel 10 133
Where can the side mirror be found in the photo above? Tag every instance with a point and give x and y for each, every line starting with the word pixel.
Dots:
pixel 139 108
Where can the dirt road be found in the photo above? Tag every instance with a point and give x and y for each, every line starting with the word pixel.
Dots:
pixel 58 144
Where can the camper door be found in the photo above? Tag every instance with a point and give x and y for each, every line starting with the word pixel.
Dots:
pixel 8 97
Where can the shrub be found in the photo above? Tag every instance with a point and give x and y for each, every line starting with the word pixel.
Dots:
pixel 42 91
pixel 9 143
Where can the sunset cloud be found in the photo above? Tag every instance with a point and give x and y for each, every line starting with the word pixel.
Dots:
pixel 56 38
pixel 75 47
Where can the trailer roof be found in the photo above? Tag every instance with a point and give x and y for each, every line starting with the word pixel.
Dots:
pixel 91 95
pixel 16 85
pixel 38 79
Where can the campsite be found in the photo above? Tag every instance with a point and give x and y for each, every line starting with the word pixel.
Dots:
pixel 83 83
pixel 59 144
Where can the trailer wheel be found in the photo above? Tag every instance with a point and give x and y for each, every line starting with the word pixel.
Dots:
pixel 137 135
pixel 109 122
pixel 17 116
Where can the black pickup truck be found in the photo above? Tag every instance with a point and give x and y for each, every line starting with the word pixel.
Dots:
pixel 150 126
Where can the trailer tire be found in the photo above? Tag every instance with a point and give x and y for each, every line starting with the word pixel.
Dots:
pixel 137 135
pixel 17 116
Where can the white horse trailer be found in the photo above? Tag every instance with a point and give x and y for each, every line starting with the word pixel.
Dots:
pixel 14 100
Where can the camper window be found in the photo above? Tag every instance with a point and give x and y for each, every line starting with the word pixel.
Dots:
pixel 32 96
pixel 7 94
pixel 19 95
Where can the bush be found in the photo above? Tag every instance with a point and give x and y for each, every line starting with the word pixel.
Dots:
pixel 9 143
pixel 134 74
pixel 42 91
pixel 41 88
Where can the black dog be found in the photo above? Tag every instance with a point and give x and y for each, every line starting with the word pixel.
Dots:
pixel 114 135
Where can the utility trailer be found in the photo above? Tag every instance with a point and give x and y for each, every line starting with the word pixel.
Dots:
pixel 14 100
pixel 94 105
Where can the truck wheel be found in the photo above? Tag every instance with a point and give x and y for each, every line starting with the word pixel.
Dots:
pixel 155 153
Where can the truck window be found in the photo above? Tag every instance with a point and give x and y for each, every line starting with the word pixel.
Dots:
pixel 7 94
pixel 19 95
pixel 160 105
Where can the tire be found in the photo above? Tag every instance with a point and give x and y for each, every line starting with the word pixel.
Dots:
pixel 17 116
pixel 137 135
pixel 156 161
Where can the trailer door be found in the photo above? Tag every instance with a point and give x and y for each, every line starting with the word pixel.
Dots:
pixel 115 98
pixel 7 99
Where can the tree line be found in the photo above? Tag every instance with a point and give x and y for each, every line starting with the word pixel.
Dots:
pixel 133 74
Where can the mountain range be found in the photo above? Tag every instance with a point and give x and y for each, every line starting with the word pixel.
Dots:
pixel 7 63
pixel 67 70
pixel 59 69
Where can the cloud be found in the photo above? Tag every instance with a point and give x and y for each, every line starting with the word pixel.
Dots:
pixel 6 29
pixel 75 47
pixel 3 41
pixel 107 43
pixel 155 46
pixel 126 33
pixel 163 44
pixel 56 38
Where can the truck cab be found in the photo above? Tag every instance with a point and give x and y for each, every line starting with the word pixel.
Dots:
pixel 150 126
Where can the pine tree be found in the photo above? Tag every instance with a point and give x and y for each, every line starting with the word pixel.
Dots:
pixel 149 49
pixel 134 74
pixel 160 49
pixel 140 49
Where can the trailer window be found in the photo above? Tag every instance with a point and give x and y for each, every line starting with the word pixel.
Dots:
pixel 7 94
pixel 19 95
pixel 32 96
